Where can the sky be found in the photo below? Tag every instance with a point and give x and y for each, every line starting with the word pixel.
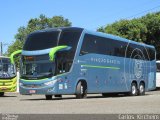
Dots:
pixel 89 14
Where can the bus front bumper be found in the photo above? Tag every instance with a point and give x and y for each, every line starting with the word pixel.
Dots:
pixel 8 85
pixel 47 88
pixel 44 90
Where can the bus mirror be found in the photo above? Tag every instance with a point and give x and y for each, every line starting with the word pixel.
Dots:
pixel 56 49
pixel 13 55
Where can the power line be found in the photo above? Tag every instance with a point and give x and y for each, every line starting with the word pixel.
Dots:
pixel 143 12
pixel 124 10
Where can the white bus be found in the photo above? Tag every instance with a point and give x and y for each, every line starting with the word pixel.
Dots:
pixel 158 74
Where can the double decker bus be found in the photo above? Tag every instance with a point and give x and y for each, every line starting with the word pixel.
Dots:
pixel 72 60
pixel 8 80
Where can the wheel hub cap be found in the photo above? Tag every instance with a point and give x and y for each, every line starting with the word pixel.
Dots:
pixel 141 88
pixel 133 89
pixel 81 89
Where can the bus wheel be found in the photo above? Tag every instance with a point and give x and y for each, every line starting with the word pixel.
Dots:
pixel 1 94
pixel 48 97
pixel 134 90
pixel 81 90
pixel 141 89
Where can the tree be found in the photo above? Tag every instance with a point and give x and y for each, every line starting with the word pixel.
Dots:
pixel 145 29
pixel 152 22
pixel 130 29
pixel 36 24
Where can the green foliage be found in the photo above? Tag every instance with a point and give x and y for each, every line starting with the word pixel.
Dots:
pixel 36 24
pixel 145 29
pixel 130 29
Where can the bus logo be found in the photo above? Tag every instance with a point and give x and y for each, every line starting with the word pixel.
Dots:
pixel 138 68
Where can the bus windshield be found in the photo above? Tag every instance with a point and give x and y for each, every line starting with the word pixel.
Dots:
pixel 50 39
pixel 41 40
pixel 7 70
pixel 36 67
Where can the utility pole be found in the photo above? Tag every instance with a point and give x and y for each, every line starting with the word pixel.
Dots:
pixel 1 46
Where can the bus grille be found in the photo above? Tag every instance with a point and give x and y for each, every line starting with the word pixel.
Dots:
pixel 6 83
pixel 33 86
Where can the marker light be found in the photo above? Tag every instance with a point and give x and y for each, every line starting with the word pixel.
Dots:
pixel 50 82
pixel 21 84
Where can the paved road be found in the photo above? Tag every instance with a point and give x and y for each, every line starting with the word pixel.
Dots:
pixel 36 104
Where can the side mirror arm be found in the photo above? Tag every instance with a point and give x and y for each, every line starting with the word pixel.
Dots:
pixel 13 55
pixel 56 49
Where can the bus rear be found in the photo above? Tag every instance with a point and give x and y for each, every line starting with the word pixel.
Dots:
pixel 8 80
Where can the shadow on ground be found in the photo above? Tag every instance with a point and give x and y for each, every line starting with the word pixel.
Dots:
pixel 5 96
pixel 89 97
pixel 158 89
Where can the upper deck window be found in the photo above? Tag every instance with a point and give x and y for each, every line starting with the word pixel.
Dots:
pixel 50 39
pixel 107 46
pixel 100 45
pixel 41 40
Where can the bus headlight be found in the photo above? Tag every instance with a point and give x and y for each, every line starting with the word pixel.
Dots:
pixel 21 84
pixel 50 82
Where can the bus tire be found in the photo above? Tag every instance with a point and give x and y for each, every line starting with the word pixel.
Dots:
pixel 81 90
pixel 48 97
pixel 134 90
pixel 141 89
pixel 1 94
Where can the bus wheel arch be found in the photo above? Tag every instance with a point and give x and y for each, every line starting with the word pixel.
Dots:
pixel 134 88
pixel 141 89
pixel 81 89
pixel 48 97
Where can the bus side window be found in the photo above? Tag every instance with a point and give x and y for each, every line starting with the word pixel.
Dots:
pixel 63 62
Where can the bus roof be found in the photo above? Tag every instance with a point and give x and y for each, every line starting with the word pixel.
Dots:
pixel 59 28
pixel 114 37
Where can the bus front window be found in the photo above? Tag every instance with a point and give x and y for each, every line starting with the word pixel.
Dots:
pixel 37 68
pixel 7 70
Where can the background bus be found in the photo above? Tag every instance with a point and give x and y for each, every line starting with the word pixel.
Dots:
pixel 7 76
pixel 77 61
pixel 158 74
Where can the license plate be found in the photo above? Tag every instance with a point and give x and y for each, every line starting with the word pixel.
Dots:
pixel 32 91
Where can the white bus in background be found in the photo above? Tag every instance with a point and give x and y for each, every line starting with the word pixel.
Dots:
pixel 158 74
